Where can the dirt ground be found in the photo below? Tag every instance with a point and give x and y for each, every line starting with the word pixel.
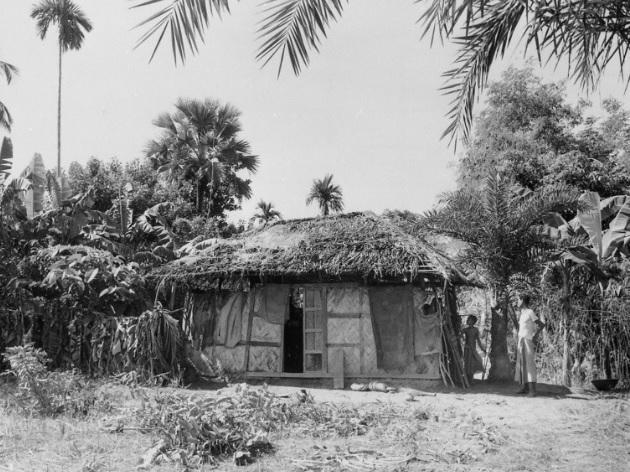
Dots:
pixel 486 428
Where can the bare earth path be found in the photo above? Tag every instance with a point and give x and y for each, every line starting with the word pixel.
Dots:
pixel 484 429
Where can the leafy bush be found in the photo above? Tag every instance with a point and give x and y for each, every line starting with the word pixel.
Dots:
pixel 48 393
pixel 158 346
pixel 205 429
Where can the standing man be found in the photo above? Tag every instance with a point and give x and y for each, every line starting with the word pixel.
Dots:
pixel 529 325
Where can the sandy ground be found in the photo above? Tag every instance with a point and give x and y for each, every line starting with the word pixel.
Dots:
pixel 556 431
pixel 482 429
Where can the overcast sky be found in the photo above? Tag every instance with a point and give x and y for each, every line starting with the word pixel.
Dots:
pixel 368 109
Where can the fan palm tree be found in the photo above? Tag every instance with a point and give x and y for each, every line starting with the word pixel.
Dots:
pixel 329 197
pixel 501 225
pixel 7 71
pixel 588 34
pixel 200 144
pixel 72 24
pixel 266 212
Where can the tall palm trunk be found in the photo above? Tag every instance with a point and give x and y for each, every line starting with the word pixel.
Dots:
pixel 500 367
pixel 59 117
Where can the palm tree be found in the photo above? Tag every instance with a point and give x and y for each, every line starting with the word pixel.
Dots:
pixel 72 24
pixel 589 35
pixel 200 144
pixel 8 71
pixel 329 197
pixel 266 212
pixel 501 226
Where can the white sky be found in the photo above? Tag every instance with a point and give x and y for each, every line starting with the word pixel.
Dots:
pixel 368 109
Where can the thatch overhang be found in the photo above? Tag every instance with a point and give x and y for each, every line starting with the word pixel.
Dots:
pixel 359 247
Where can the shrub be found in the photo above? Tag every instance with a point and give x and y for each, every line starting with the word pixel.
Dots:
pixel 201 429
pixel 48 393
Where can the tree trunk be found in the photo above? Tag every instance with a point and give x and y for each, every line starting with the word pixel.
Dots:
pixel 566 314
pixel 199 197
pixel 500 366
pixel 59 118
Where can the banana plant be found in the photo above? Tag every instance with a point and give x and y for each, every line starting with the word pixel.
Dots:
pixel 599 233
pixel 147 238
pixel 66 223
pixel 153 224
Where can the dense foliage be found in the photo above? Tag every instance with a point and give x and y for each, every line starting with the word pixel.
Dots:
pixel 200 144
pixel 530 134
pixel 500 225
pixel 535 142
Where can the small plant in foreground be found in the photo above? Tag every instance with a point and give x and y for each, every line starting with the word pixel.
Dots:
pixel 48 393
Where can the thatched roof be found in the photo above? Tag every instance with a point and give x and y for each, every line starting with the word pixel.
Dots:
pixel 356 246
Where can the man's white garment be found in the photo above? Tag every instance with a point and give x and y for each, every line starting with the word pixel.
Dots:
pixel 525 371
pixel 527 324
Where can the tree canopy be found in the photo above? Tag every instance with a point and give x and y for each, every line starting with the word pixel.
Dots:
pixel 329 196
pixel 530 134
pixel 201 144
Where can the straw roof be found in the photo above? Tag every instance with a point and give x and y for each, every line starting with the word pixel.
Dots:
pixel 356 246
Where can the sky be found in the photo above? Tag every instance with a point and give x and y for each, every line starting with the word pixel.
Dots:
pixel 368 109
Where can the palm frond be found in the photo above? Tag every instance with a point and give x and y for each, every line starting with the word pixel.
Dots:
pixel 6 156
pixel 242 187
pixel 485 40
pixel 186 21
pixel 442 17
pixel 248 162
pixel 8 70
pixel 291 28
pixel 151 222
pixel 6 120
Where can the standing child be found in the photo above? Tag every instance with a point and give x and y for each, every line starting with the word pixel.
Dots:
pixel 472 360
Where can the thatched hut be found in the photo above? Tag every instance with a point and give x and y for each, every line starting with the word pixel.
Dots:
pixel 351 296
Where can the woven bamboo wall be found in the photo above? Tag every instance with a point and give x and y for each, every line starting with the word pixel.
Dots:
pixel 231 359
pixel 368 359
pixel 347 307
pixel 262 330
pixel 264 359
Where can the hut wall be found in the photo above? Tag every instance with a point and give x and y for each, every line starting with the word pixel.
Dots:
pixel 231 359
pixel 350 329
pixel 268 357
pixel 425 341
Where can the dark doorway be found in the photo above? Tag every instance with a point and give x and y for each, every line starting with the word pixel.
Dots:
pixel 293 333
